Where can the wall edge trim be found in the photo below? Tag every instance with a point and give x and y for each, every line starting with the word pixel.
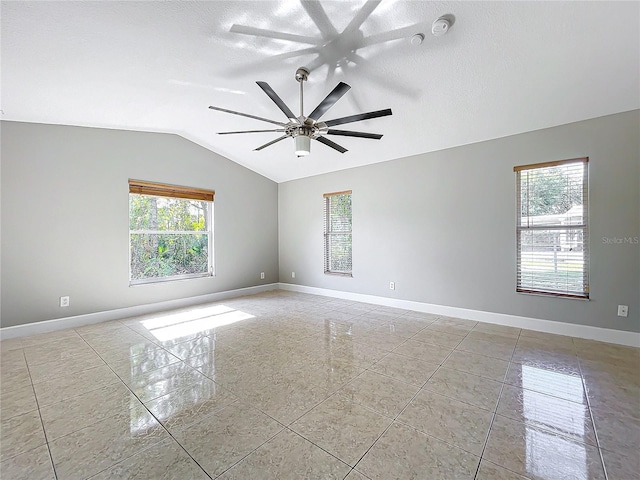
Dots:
pixel 620 337
pixel 46 326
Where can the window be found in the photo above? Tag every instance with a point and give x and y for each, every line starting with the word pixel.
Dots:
pixel 337 233
pixel 170 232
pixel 552 228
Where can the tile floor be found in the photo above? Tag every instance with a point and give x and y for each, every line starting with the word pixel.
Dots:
pixel 284 385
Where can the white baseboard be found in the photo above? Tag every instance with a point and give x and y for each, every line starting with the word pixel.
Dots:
pixel 631 339
pixel 47 326
pixel 550 326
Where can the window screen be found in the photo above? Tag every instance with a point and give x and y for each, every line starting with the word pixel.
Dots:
pixel 337 233
pixel 552 228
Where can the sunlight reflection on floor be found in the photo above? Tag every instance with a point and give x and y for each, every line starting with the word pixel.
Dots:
pixel 170 327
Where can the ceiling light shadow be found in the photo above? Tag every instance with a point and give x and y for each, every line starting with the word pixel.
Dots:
pixel 337 50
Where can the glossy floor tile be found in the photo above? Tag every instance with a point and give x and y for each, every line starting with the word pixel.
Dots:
pixel 99 446
pixel 189 405
pixel 540 454
pixel 68 386
pixel 20 434
pixel 496 349
pixel 465 387
pixel 166 460
pixel 222 439
pixel 383 394
pixel 457 423
pixel 491 471
pixel 342 428
pixel 416 372
pixel 288 456
pixel 33 464
pixel 481 365
pixel 621 466
pixel 285 385
pixel 438 337
pixel 564 417
pixel 423 351
pixel 86 409
pixel 403 452
pixel 17 401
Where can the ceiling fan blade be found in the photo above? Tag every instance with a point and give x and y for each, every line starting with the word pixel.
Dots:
pixel 247 115
pixel 270 143
pixel 346 133
pixel 359 117
pixel 319 16
pixel 277 100
pixel 335 95
pixel 260 32
pixel 331 144
pixel 252 131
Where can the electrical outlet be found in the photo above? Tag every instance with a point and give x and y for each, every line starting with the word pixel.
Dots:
pixel 392 285
pixel 64 301
pixel 261 275
pixel 623 310
pixel 293 274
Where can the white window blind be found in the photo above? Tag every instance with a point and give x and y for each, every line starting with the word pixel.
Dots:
pixel 337 233
pixel 552 228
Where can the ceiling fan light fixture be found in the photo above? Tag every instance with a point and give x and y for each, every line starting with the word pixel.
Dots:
pixel 303 145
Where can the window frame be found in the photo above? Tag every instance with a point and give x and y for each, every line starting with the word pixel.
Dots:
pixel 584 227
pixel 327 234
pixel 161 190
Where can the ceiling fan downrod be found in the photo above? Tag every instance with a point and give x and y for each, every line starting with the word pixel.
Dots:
pixel 301 76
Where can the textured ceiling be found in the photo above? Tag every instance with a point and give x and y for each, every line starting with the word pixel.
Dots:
pixel 503 68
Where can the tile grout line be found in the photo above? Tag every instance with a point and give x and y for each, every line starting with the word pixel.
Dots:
pixel 150 446
pixel 321 448
pixel 251 452
pixel 239 399
pixel 334 393
pixel 405 407
pixel 150 413
pixel 44 431
pixel 593 422
pixel 495 412
pixel 287 427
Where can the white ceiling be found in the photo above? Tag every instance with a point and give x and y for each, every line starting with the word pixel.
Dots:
pixel 503 68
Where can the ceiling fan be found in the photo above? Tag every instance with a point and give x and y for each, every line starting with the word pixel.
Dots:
pixel 303 129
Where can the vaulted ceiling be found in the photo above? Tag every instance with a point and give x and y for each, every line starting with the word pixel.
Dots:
pixel 503 68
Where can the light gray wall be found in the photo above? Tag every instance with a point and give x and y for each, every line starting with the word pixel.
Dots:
pixel 442 225
pixel 65 218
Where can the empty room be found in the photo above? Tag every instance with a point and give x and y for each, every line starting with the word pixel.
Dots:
pixel 320 239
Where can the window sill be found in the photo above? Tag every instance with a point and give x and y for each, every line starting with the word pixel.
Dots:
pixel 152 281
pixel 339 274
pixel 552 295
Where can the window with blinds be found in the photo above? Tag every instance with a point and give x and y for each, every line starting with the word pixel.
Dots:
pixel 552 228
pixel 337 233
pixel 170 232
